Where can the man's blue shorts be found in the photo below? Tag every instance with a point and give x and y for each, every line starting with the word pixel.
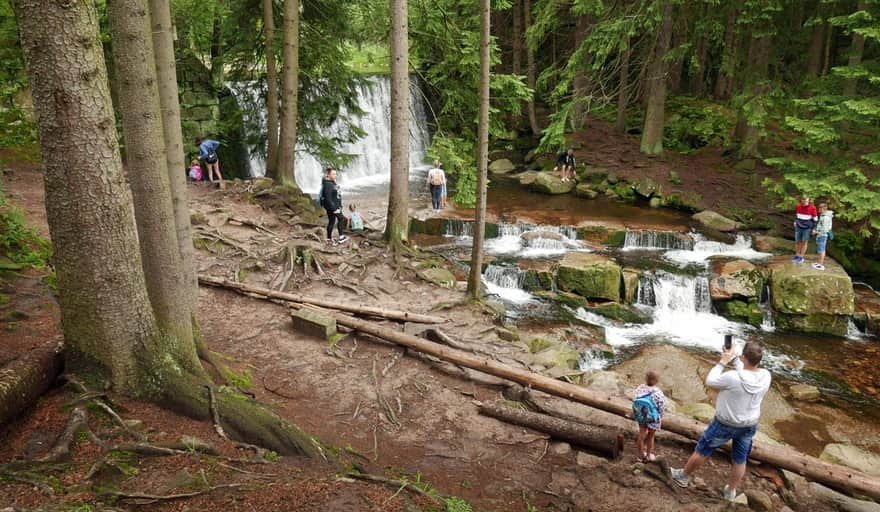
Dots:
pixel 802 234
pixel 718 433
pixel 821 242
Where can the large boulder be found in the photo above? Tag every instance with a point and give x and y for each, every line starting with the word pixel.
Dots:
pixel 589 275
pixel 548 183
pixel 527 178
pixel 623 312
pixel 737 279
pixel 810 300
pixel 853 457
pixel 558 355
pixel 537 275
pixel 586 191
pixel 716 221
pixel 741 311
pixel 594 174
pixel 681 373
pixel 606 382
pixel 501 166
pixel 438 276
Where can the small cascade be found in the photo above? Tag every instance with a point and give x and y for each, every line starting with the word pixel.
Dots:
pixel 673 293
pixel 506 281
pixel 645 291
pixel 767 324
pixel 703 249
pixel 852 331
pixel 459 228
pixel 647 240
pixel 533 241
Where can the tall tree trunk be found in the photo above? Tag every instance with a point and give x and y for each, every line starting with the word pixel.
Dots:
pixel 290 90
pixel 652 135
pixel 724 84
pixel 217 47
pixel 397 223
pixel 581 82
pixel 623 94
pixel 749 136
pixel 166 72
pixel 531 70
pixel 814 54
pixel 474 289
pixel 829 39
pixel 517 37
pixel 271 92
pixel 855 54
pixel 679 36
pixel 147 168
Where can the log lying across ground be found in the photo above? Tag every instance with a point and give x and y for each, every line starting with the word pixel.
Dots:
pixel 605 442
pixel 25 379
pixel 391 314
pixel 783 457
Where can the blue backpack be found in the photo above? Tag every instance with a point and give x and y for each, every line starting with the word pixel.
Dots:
pixel 645 410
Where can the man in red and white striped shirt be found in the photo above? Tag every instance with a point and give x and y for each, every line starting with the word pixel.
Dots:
pixel 806 218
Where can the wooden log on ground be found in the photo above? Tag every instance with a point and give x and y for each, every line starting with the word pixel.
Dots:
pixel 390 314
pixel 787 458
pixel 23 380
pixel 602 442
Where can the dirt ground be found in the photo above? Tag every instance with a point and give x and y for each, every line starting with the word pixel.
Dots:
pixel 428 431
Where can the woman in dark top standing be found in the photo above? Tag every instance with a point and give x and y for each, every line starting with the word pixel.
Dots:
pixel 331 200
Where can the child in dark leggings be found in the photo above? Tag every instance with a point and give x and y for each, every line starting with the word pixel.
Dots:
pixel 331 200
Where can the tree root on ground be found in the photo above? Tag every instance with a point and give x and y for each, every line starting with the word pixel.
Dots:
pixel 396 484
pixel 146 499
pixel 77 423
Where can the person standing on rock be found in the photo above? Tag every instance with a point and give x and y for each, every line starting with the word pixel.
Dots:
pixel 437 185
pixel 331 199
pixel 823 234
pixel 208 154
pixel 805 222
pixel 737 410
pixel 565 162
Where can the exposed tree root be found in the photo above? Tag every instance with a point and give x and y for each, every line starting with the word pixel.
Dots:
pixel 23 380
pixel 77 422
pixel 396 484
pixel 146 499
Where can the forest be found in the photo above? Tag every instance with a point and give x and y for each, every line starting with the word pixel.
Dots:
pixel 181 329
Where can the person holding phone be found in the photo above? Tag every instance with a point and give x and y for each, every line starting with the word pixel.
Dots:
pixel 737 410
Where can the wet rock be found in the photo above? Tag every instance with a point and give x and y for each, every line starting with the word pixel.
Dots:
pixel 533 235
pixel 810 300
pixel 623 312
pixel 528 177
pixel 606 382
pixel 594 174
pixel 537 279
pixel 773 244
pixel 547 183
pixel 589 275
pixel 698 411
pixel 586 191
pixel 804 392
pixel 560 448
pixel 737 279
pixel 554 354
pixel 716 221
pixel 507 334
pixel 741 311
pixel 853 457
pixel 685 201
pixel 501 166
pixel 439 276
pixel 836 325
pixel 681 374
pixel 645 187
pixel 630 284
pixel 759 501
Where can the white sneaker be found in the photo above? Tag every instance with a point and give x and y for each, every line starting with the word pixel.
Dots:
pixel 342 238
pixel 818 266
pixel 728 494
pixel 679 477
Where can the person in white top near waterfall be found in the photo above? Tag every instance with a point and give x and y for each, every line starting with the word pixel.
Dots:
pixel 823 234
pixel 737 410
pixel 437 185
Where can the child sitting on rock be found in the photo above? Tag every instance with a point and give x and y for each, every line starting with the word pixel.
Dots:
pixel 355 221
pixel 648 407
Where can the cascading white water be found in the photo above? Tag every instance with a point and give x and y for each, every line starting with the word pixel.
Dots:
pixel 646 240
pixel 459 228
pixel 556 240
pixel 505 281
pixel 767 322
pixel 704 249
pixel 370 165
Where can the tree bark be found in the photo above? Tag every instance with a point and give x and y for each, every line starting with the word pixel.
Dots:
pixel 289 93
pixel 652 135
pixel 698 78
pixel 474 288
pixel 147 170
pixel 749 137
pixel 855 54
pixel 829 39
pixel 516 65
pixel 623 93
pixel 604 442
pixel 581 81
pixel 166 72
pixel 271 92
pixel 397 223
pixel 724 84
pixel 217 47
pixel 390 314
pixel 531 71
pixel 783 457
pixel 25 379
pixel 814 54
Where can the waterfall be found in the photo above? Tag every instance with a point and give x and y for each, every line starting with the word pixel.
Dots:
pixel 674 293
pixel 647 240
pixel 371 153
pixel 767 323
pixel 703 249
pixel 505 281
pixel 533 241
pixel 459 228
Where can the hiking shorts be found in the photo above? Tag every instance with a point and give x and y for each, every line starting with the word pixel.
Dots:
pixel 717 434
pixel 821 242
pixel 802 234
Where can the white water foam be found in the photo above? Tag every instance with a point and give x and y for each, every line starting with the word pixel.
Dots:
pixel 704 249
pixel 505 281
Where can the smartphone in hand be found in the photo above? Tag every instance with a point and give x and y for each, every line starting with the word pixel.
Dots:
pixel 728 341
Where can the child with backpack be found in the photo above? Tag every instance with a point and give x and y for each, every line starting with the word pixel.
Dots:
pixel 647 408
pixel 355 221
pixel 195 170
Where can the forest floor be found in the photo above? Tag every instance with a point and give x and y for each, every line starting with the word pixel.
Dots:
pixel 435 439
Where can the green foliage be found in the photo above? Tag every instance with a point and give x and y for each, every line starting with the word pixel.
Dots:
pixel 692 124
pixel 456 504
pixel 20 244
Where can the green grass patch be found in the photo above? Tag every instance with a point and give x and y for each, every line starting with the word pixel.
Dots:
pixel 20 246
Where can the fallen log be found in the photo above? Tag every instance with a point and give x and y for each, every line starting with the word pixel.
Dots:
pixel 602 442
pixel 391 314
pixel 787 458
pixel 24 379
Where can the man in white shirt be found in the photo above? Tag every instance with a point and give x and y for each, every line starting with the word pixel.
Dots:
pixel 437 184
pixel 737 410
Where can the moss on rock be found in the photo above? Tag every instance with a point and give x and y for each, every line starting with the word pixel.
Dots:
pixel 589 275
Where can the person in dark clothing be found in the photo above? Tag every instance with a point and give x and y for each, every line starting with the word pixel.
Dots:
pixel 565 162
pixel 331 200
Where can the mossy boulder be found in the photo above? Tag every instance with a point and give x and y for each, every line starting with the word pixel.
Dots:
pixel 537 279
pixel 645 187
pixel 631 278
pixel 803 290
pixel 501 166
pixel 527 178
pixel 547 183
pixel 615 239
pixel 589 275
pixel 560 355
pixel 586 191
pixel 685 201
pixel 623 192
pixel 623 312
pixel 741 311
pixel 716 221
pixel 818 323
pixel 737 279
pixel 439 276
pixel 594 175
